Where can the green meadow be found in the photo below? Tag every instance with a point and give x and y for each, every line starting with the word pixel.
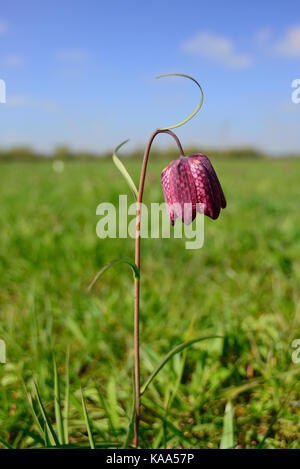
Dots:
pixel 243 285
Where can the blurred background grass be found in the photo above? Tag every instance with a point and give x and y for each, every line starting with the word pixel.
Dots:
pixel 243 284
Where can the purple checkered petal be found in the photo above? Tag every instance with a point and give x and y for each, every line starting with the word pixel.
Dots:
pixel 213 177
pixel 189 181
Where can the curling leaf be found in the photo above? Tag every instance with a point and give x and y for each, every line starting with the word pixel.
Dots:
pixel 169 355
pixel 124 171
pixel 120 260
pixel 197 108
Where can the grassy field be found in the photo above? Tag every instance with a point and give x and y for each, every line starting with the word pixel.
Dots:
pixel 244 284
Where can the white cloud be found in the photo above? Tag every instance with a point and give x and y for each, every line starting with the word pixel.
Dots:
pixel 263 35
pixel 289 44
pixel 217 48
pixel 72 56
pixel 13 60
pixel 25 101
pixel 3 26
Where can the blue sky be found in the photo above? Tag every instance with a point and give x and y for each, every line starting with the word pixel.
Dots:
pixel 83 73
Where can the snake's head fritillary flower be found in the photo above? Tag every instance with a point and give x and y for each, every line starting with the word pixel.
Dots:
pixel 190 185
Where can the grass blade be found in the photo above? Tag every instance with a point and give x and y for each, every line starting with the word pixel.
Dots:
pixel 52 435
pixel 120 260
pixel 172 352
pixel 112 400
pixel 34 413
pixel 227 440
pixel 87 421
pixel 57 404
pixel 107 414
pixel 275 418
pixel 7 445
pixel 46 437
pixel 182 365
pixel 132 418
pixel 101 445
pixel 167 423
pixel 124 171
pixel 67 399
pixel 36 438
pixel 129 430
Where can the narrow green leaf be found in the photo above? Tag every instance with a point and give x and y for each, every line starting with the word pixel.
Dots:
pixel 57 404
pixel 172 352
pixel 33 411
pixel 276 416
pixel 233 391
pixel 52 435
pixel 67 399
pixel 103 444
pixel 129 430
pixel 182 364
pixel 159 437
pixel 267 434
pixel 87 421
pixel 167 423
pixel 76 330
pixel 227 440
pixel 7 445
pixel 124 171
pixel 120 260
pixel 107 414
pixel 46 436
pixel 132 417
pixel 112 400
pixel 36 438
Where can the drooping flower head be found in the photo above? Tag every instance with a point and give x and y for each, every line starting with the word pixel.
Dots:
pixel 189 183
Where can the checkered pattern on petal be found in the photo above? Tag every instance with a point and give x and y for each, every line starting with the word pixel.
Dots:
pixel 189 181
pixel 165 182
pixel 217 189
